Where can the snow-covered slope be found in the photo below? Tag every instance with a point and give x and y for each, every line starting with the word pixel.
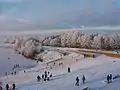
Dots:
pixel 95 75
pixel 95 70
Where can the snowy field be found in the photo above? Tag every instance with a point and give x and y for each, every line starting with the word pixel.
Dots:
pixel 95 70
pixel 6 64
pixel 56 61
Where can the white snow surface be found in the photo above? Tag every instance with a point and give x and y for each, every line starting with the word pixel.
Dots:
pixel 94 69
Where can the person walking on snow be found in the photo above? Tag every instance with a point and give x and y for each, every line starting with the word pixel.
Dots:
pixel 68 69
pixel 77 81
pixel 108 79
pixel 7 87
pixel 43 76
pixel 110 76
pixel 38 78
pixel 83 79
pixel 46 75
pixel 13 86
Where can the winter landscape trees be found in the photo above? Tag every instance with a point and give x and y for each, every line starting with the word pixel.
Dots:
pixel 30 47
pixel 77 39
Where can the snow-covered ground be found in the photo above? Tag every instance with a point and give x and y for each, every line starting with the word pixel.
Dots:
pixel 95 70
pixel 8 58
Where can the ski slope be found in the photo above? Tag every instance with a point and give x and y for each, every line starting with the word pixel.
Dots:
pixel 95 74
pixel 94 69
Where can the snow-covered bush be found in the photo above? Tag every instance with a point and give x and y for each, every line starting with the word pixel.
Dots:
pixel 27 46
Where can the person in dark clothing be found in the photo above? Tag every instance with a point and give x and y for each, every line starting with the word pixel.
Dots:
pixel 45 71
pixel 48 72
pixel 77 81
pixel 38 78
pixel 83 79
pixel 11 73
pixel 42 76
pixel 14 72
pixel 45 74
pixel 13 86
pixel 50 75
pixel 48 78
pixel 7 87
pixel 84 55
pixel 44 79
pixel 110 76
pixel 108 79
pixel 68 69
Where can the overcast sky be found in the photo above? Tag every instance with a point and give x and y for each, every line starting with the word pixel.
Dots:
pixel 50 14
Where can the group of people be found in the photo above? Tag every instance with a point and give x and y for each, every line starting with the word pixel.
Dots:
pixel 8 87
pixel 78 80
pixel 12 73
pixel 46 76
pixel 109 78
pixel 16 66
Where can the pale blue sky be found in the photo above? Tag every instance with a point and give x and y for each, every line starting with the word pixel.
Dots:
pixel 49 14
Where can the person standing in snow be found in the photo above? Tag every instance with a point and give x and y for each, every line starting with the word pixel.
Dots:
pixel 13 86
pixel 45 78
pixel 68 69
pixel 83 79
pixel 48 73
pixel 14 72
pixel 6 73
pixel 45 74
pixel 110 76
pixel 38 78
pixel 77 81
pixel 7 87
pixel 108 79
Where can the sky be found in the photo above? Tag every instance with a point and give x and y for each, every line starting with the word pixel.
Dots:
pixel 18 15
